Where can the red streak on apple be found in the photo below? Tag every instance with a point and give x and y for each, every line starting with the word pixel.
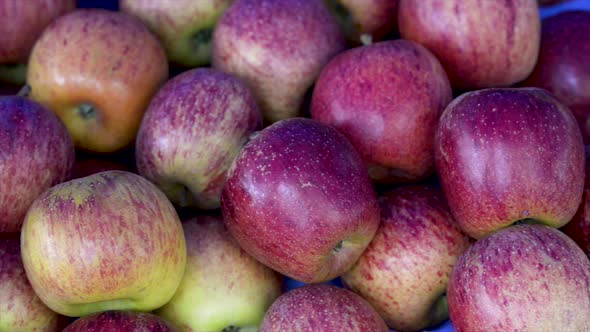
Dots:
pixel 299 199
pixel 504 155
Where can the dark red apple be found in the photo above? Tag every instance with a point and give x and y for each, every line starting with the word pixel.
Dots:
pixel 404 272
pixel 121 321
pixel 278 47
pixel 522 278
pixel 481 44
pixel 20 308
pixel 321 308
pixel 299 199
pixel 579 227
pixel 504 155
pixel 563 67
pixel 193 129
pixel 36 152
pixel 386 98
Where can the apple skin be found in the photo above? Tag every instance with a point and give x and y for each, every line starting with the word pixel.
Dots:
pixel 23 22
pixel 37 153
pixel 193 129
pixel 108 241
pixel 321 307
pixel 20 308
pixel 97 70
pixel 365 20
pixel 121 321
pixel 278 47
pixel 404 272
pixel 481 44
pixel 563 67
pixel 522 278
pixel 508 154
pixel 223 286
pixel 386 98
pixel 298 198
pixel 579 227
pixel 184 27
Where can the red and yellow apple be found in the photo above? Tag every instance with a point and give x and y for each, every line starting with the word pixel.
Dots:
pixel 108 241
pixel 97 70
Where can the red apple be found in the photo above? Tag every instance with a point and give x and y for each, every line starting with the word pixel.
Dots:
pixel 37 153
pixel 508 154
pixel 404 272
pixel 108 241
pixel 185 27
pixel 299 199
pixel 386 98
pixel 481 44
pixel 223 288
pixel 364 21
pixel 121 321
pixel 579 227
pixel 97 70
pixel 20 308
pixel 522 278
pixel 563 67
pixel 21 24
pixel 278 47
pixel 194 128
pixel 321 308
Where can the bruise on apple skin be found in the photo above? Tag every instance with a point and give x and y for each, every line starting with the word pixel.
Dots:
pixel 522 278
pixel 107 236
pixel 20 308
pixel 36 153
pixel 296 177
pixel 193 129
pixel 404 271
pixel 278 47
pixel 393 128
pixel 121 321
pixel 481 44
pixel 504 155
pixel 322 307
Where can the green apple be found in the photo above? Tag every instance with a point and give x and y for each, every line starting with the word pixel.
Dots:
pixel 185 27
pixel 223 287
pixel 108 241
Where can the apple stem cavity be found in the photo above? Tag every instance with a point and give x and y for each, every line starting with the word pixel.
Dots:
pixel 87 111
pixel 231 328
pixel 201 37
pixel 338 247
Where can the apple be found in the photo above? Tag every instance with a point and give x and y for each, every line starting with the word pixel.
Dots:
pixel 278 47
pixel 184 27
pixel 481 44
pixel 223 288
pixel 563 67
pixel 299 199
pixel 321 307
pixel 404 272
pixel 193 129
pixel 522 278
pixel 20 308
pixel 97 70
pixel 37 153
pixel 108 241
pixel 121 321
pixel 507 155
pixel 579 227
pixel 365 21
pixel 386 98
pixel 22 23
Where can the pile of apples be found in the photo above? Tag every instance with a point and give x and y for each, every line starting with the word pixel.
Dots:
pixel 174 165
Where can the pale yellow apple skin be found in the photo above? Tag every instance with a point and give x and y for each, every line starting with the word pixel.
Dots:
pixel 222 285
pixel 108 241
pixel 102 58
pixel 177 23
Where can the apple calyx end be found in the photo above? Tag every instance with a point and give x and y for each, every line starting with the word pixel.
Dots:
pixel 338 247
pixel 87 111
pixel 203 36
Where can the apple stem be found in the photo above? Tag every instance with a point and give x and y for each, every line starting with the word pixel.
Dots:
pixel 25 91
pixel 87 110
